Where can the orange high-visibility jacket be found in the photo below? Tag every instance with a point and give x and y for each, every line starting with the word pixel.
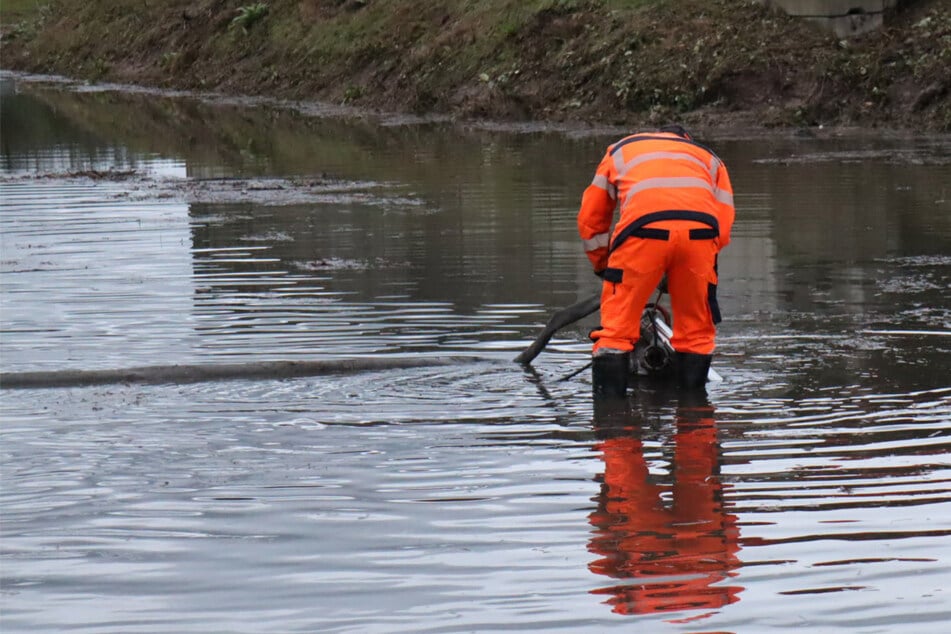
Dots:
pixel 654 172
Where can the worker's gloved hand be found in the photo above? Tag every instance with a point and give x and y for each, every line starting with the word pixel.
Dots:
pixel 662 287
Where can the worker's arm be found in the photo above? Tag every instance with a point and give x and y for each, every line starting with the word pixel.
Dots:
pixel 723 191
pixel 597 213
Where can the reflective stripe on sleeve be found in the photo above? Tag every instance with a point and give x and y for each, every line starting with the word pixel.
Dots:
pixel 714 170
pixel 599 241
pixel 601 181
pixel 723 196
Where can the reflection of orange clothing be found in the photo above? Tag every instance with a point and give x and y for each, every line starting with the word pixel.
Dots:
pixel 676 213
pixel 672 556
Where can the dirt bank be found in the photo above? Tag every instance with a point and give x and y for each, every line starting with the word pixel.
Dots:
pixel 616 62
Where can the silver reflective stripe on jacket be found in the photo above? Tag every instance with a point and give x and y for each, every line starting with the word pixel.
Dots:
pixel 601 181
pixel 597 242
pixel 623 167
pixel 670 182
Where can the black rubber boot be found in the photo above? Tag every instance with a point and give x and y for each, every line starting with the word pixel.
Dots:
pixel 691 369
pixel 609 374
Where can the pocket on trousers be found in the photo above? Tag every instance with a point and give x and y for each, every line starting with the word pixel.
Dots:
pixel 613 275
pixel 714 304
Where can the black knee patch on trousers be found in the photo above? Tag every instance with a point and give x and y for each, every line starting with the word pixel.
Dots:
pixel 714 304
pixel 612 275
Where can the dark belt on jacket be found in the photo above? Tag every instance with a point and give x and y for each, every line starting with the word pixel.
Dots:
pixel 639 228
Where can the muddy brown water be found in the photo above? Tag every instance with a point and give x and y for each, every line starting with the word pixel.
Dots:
pixel 158 230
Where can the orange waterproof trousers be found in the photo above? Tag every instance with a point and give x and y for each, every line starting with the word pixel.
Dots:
pixel 634 270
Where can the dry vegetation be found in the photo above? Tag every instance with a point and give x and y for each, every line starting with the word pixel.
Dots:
pixel 730 62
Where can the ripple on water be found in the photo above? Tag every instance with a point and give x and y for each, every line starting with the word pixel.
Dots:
pixel 479 496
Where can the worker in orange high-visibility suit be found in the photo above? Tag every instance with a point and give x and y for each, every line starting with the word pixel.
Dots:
pixel 676 212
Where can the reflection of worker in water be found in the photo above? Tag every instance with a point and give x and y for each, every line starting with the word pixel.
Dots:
pixel 670 544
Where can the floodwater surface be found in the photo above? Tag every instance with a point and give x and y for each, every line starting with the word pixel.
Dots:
pixel 810 489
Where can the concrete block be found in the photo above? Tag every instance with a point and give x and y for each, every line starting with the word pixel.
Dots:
pixel 831 8
pixel 847 26
pixel 845 18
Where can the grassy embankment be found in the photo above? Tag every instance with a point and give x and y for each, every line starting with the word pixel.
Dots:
pixel 713 62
